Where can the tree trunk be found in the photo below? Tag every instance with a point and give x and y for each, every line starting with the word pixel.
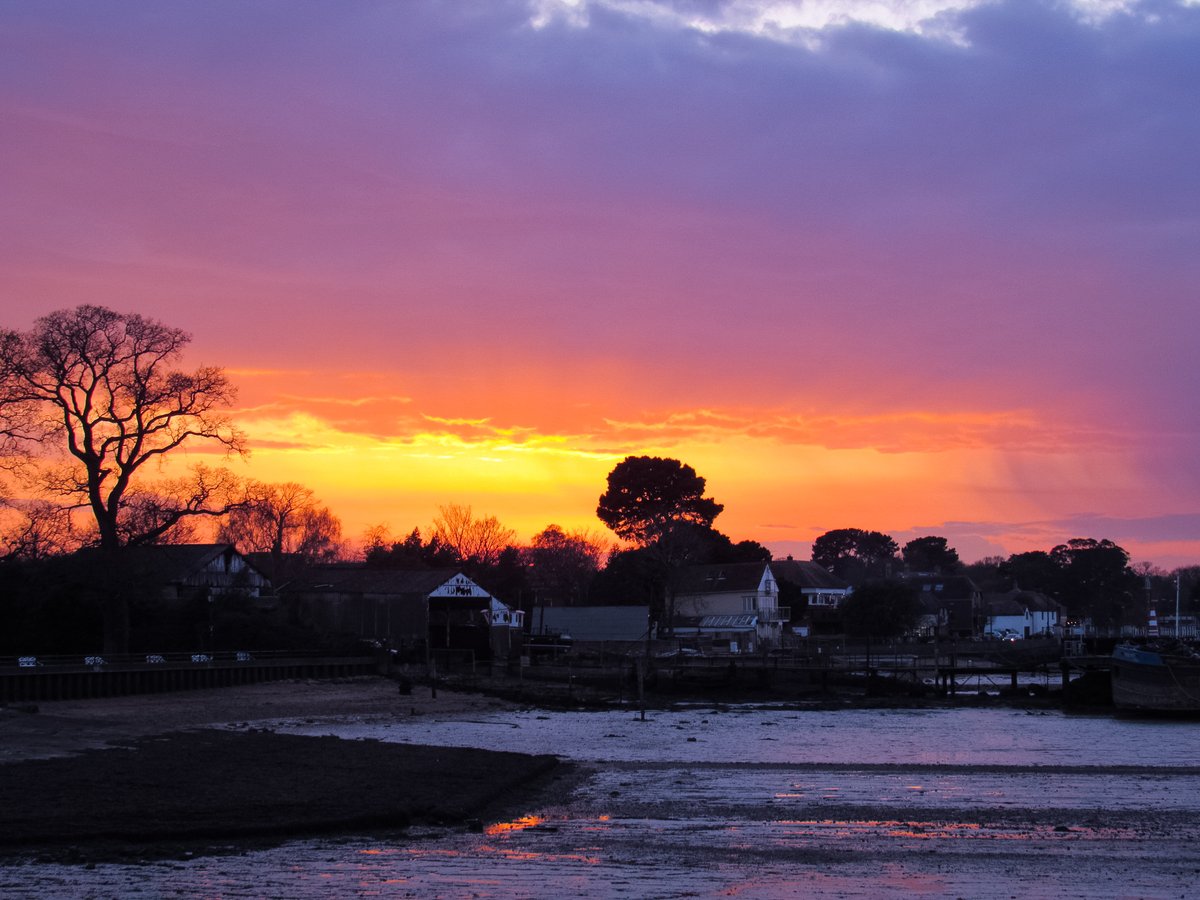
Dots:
pixel 114 585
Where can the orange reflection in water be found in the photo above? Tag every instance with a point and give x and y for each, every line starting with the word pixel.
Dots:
pixel 515 825
pixel 603 825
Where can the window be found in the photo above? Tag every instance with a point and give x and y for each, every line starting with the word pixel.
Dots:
pixel 750 603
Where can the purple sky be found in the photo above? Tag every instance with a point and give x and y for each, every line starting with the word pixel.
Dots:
pixel 920 267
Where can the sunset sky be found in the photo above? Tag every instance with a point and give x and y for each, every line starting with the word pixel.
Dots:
pixel 920 266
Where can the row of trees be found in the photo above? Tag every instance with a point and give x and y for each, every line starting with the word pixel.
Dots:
pixel 857 555
pixel 92 401
pixel 1091 578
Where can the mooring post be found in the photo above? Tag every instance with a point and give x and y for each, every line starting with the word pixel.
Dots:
pixel 641 686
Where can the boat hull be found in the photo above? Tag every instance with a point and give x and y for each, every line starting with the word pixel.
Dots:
pixel 1149 680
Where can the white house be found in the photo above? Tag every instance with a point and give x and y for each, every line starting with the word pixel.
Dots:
pixel 1024 613
pixel 741 599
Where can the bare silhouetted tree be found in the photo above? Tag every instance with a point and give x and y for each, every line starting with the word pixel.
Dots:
pixel 95 389
pixel 477 541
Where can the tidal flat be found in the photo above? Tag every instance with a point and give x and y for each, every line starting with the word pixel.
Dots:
pixel 752 801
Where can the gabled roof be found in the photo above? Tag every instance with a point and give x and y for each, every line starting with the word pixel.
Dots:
pixel 720 578
pixel 175 561
pixel 1014 603
pixel 280 569
pixel 1038 602
pixel 1002 605
pixel 807 574
pixel 356 578
pixel 161 563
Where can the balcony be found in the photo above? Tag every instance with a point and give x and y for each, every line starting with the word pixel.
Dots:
pixel 774 613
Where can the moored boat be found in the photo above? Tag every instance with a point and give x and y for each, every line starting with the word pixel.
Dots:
pixel 1160 677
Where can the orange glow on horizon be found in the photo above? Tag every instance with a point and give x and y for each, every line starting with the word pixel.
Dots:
pixel 378 453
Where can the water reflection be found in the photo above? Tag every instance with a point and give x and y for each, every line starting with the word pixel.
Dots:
pixel 515 825
pixel 840 805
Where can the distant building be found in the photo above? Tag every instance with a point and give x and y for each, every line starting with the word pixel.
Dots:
pixel 410 611
pixel 951 605
pixel 1023 613
pixel 181 572
pixel 155 597
pixel 586 624
pixel 738 599
pixel 813 593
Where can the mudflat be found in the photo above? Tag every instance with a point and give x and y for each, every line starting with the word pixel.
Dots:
pixel 136 772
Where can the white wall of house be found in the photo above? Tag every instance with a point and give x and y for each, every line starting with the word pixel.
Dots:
pixel 227 570
pixel 1032 623
pixel 830 598
pixel 459 586
pixel 763 600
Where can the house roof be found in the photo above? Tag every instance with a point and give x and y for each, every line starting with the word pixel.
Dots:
pixel 1014 603
pixel 807 574
pixel 592 623
pixel 1002 605
pixel 280 569
pixel 947 587
pixel 175 561
pixel 163 563
pixel 356 578
pixel 720 578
